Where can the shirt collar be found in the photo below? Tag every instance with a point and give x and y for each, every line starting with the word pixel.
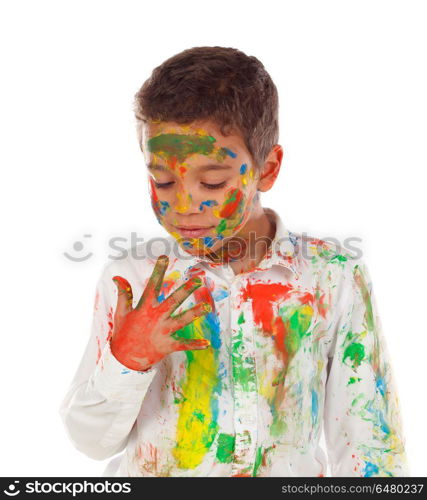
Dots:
pixel 280 253
pixel 282 250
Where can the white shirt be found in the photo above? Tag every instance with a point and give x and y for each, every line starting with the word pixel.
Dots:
pixel 296 344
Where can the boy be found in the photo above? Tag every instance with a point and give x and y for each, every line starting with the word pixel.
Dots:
pixel 225 349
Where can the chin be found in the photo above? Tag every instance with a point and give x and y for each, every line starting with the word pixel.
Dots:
pixel 197 246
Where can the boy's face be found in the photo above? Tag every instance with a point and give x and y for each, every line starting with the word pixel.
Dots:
pixel 199 178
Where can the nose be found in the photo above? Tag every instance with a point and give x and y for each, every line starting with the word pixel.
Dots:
pixel 184 202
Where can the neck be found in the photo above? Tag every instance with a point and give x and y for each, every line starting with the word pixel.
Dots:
pixel 247 248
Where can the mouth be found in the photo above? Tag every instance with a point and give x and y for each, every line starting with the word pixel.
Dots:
pixel 193 231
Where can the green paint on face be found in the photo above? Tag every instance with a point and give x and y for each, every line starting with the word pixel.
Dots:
pixel 222 226
pixel 225 450
pixel 356 352
pixel 180 146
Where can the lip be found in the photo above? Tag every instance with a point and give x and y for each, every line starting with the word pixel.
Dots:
pixel 193 230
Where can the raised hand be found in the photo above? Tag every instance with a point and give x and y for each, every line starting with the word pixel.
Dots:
pixel 143 336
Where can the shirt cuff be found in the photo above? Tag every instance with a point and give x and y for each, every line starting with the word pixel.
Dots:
pixel 116 381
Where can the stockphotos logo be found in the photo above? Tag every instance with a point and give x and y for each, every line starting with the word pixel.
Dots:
pixel 238 249
pixel 74 488
pixel 13 489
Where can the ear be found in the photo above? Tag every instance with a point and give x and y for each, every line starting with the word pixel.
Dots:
pixel 271 168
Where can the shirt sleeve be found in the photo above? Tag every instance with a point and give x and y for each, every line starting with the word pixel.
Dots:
pixel 104 398
pixel 362 421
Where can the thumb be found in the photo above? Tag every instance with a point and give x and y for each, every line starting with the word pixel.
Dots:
pixel 124 300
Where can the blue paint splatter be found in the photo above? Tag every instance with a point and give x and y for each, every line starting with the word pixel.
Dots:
pixel 208 241
pixel 220 294
pixel 222 370
pixel 214 329
pixel 384 426
pixel 230 153
pixel 370 469
pixel 243 168
pixel 164 206
pixel 208 203
pixel 381 385
pixel 314 406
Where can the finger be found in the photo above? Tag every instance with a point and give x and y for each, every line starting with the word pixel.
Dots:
pixel 176 298
pixel 124 300
pixel 191 344
pixel 155 282
pixel 184 318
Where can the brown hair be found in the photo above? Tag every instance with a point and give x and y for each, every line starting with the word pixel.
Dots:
pixel 221 84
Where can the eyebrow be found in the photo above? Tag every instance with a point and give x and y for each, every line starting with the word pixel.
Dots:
pixel 202 168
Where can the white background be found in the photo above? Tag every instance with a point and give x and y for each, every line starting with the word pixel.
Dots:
pixel 352 83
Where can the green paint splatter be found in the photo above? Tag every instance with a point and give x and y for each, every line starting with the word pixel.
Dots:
pixel 353 380
pixel 358 398
pixel 298 320
pixel 338 258
pixel 222 226
pixel 361 281
pixel 258 460
pixel 243 368
pixel 225 450
pixel 278 426
pixel 180 146
pixel 356 352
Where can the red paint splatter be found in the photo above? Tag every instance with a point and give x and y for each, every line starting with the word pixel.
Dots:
pixel 280 333
pixel 323 307
pixel 172 161
pixel 263 295
pixel 96 305
pixel 306 298
pixel 154 198
pixel 110 324
pixel 202 294
pixel 99 349
pixel 230 205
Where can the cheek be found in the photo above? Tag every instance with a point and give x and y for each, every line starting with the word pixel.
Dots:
pixel 233 203
pixel 238 199
pixel 233 213
pixel 160 207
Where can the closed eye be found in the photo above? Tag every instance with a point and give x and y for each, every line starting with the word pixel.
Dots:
pixel 214 186
pixel 163 184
